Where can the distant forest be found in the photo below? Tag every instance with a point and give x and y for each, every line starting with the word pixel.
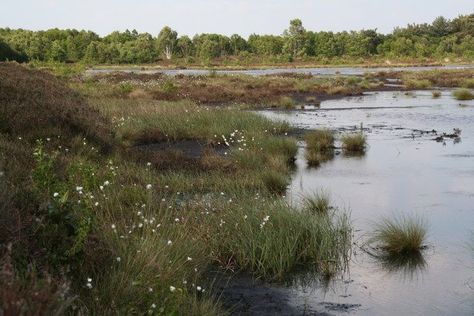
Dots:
pixel 440 39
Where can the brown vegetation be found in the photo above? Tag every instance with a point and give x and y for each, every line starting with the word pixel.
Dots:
pixel 35 104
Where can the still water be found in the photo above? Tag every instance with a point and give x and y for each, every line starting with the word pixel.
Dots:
pixel 260 72
pixel 403 171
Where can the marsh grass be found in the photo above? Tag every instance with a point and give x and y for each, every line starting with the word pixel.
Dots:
pixel 468 83
pixel 142 122
pixel 319 147
pixel 354 143
pixel 319 140
pixel 137 239
pixel 400 236
pixel 436 94
pixel 287 103
pixel 318 204
pixel 275 239
pixel 418 84
pixel 463 94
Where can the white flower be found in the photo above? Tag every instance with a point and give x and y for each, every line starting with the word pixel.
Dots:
pixel 113 226
pixel 118 259
pixel 101 187
pixel 153 306
pixel 198 288
pixel 150 289
pixel 148 164
pixel 106 183
pixel 89 280
pixel 169 242
pixel 176 220
pixel 190 259
pixel 79 189
pixel 96 203
pixel 56 194
pixel 148 186
pixel 172 288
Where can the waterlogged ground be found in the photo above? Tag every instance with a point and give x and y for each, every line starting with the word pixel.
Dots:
pixel 260 72
pixel 404 170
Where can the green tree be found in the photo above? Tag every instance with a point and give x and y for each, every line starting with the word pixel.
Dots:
pixel 185 46
pixel 295 37
pixel 166 41
pixel 57 52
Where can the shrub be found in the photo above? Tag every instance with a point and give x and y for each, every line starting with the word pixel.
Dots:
pixel 34 105
pixel 463 94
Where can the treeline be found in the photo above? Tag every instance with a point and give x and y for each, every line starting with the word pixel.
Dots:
pixel 442 38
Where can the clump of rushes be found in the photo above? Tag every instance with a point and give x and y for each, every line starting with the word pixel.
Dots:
pixel 463 94
pixel 436 94
pixel 275 181
pixel 271 239
pixel 319 140
pixel 400 236
pixel 418 84
pixel 319 146
pixel 287 103
pixel 468 83
pixel 354 143
pixel 317 204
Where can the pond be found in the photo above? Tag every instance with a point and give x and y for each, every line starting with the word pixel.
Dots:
pixel 404 171
pixel 329 71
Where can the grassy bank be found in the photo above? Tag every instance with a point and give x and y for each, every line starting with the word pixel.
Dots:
pixel 118 204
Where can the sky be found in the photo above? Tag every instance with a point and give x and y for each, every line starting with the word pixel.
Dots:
pixel 227 17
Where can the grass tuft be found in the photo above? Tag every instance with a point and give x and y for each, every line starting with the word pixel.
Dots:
pixel 319 140
pixel 400 236
pixel 354 143
pixel 319 147
pixel 317 203
pixel 463 94
pixel 436 94
pixel 287 103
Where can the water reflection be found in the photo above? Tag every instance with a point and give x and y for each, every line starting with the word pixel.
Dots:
pixel 403 170
pixel 408 265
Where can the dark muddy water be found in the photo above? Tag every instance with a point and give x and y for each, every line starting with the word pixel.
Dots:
pixel 403 171
pixel 261 72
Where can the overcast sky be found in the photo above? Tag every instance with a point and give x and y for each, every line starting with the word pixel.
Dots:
pixel 224 16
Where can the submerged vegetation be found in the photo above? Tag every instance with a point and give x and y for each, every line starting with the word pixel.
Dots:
pixel 122 205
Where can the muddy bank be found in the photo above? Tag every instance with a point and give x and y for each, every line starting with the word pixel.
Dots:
pixel 244 295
